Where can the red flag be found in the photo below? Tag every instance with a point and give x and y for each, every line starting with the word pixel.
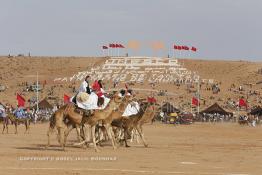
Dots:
pixel 242 102
pixel 151 100
pixel 186 48
pixel 179 48
pixel 117 45
pixel 194 49
pixel 104 47
pixel 66 99
pixel 20 100
pixel 195 101
pixel 112 45
pixel 121 46
pixel 183 47
pixel 175 47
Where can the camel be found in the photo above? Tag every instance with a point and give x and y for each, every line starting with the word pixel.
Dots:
pixel 16 122
pixel 66 118
pixel 135 122
pixel 116 114
pixel 103 115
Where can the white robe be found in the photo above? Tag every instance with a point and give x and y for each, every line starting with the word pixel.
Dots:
pixel 83 86
pixel 131 109
pixel 91 103
pixel 2 111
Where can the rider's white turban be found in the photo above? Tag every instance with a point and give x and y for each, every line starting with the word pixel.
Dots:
pixel 82 97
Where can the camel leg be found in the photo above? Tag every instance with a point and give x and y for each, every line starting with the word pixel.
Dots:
pixel 67 131
pixel 78 132
pixel 132 136
pixel 48 136
pixel 16 127
pixel 85 135
pixel 139 129
pixel 7 120
pixel 82 136
pixel 93 129
pixel 111 135
pixel 126 137
pixel 27 127
pixel 61 135
pixel 4 125
pixel 137 135
pixel 88 137
pixel 82 132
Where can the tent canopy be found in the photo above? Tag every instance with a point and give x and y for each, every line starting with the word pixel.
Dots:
pixel 256 111
pixel 44 105
pixel 168 108
pixel 215 108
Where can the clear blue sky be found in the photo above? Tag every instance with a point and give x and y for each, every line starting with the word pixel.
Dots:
pixel 221 29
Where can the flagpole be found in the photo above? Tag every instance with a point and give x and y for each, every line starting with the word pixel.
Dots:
pixel 191 106
pixel 37 98
pixel 198 91
pixel 238 109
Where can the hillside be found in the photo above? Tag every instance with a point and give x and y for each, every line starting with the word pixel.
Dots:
pixel 17 70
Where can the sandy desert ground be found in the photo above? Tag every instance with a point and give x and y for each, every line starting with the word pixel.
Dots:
pixel 208 149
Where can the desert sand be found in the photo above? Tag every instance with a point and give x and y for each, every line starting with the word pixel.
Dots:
pixel 216 149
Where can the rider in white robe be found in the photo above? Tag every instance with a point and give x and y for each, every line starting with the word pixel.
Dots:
pixel 131 109
pixel 91 102
pixel 2 111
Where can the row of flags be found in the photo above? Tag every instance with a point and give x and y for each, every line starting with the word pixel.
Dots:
pixel 195 101
pixel 241 103
pixel 21 100
pixel 176 47
pixel 113 46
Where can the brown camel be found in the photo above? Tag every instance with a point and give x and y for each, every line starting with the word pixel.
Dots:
pixel 66 118
pixel 146 114
pixel 116 114
pixel 103 115
pixel 16 122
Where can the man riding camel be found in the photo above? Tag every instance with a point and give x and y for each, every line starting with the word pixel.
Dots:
pixel 102 100
pixel 84 87
pixel 91 98
pixel 133 107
